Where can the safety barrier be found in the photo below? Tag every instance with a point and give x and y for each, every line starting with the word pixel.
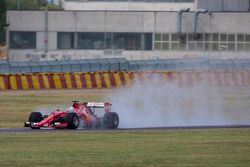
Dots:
pixel 122 64
pixel 78 80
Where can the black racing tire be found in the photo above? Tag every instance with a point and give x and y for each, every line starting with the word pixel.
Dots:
pixel 111 120
pixel 34 118
pixel 73 120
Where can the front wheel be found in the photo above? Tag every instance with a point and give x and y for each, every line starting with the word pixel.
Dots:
pixel 35 117
pixel 110 120
pixel 72 120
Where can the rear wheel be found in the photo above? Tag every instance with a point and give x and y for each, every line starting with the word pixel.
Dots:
pixel 111 120
pixel 34 118
pixel 73 121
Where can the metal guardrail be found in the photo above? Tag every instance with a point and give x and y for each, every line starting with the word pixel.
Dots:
pixel 122 64
pixel 189 64
pixel 84 65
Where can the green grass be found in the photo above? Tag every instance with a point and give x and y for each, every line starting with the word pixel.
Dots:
pixel 206 147
pixel 15 108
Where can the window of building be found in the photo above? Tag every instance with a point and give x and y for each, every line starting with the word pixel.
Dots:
pixel 247 38
pixel 243 42
pixel 108 40
pixel 223 42
pixel 227 42
pixel 247 47
pixel 206 42
pixel 175 42
pixel 90 40
pixel 158 37
pixel 195 44
pixel 22 40
pixel 157 42
pixel 231 42
pixel 211 42
pixel 132 41
pixel 127 41
pixel 100 40
pixel 147 41
pixel 161 41
pixel 175 37
pixel 240 42
pixel 240 38
pixel 65 40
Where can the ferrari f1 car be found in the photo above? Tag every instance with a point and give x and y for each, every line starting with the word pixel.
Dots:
pixel 83 114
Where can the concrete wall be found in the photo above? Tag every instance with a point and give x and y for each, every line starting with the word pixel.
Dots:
pixel 126 21
pixel 224 5
pixel 131 6
pixel 120 21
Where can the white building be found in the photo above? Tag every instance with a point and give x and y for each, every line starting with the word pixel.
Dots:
pixel 156 5
pixel 134 29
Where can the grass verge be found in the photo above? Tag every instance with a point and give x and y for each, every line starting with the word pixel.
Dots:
pixel 206 147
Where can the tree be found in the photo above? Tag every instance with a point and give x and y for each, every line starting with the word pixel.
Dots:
pixel 30 5
pixel 42 3
pixel 2 21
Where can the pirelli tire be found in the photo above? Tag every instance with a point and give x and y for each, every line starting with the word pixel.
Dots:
pixel 72 120
pixel 110 120
pixel 35 117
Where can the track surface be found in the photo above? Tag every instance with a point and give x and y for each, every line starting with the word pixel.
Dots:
pixel 149 128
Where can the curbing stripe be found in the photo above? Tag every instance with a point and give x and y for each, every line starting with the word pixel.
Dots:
pixel 102 80
pixel 57 81
pixel 88 81
pixel 13 84
pixel 228 78
pixel 122 78
pixel 18 82
pixel 107 80
pixel 98 80
pixel 93 80
pixel 35 82
pixel 68 80
pixel 62 80
pixel 78 81
pixel 127 78
pixel 40 81
pixel 30 83
pixel 51 81
pixel 2 83
pixel 24 82
pixel 241 78
pixel 112 80
pixel 46 81
pixel 73 81
pixel 246 79
pixel 235 80
pixel 117 79
pixel 83 80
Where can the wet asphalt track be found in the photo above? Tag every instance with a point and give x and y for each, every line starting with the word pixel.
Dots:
pixel 149 128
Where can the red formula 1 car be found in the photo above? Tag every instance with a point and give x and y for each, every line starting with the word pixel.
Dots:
pixel 83 114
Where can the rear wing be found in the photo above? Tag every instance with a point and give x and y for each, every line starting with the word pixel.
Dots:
pixel 105 105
